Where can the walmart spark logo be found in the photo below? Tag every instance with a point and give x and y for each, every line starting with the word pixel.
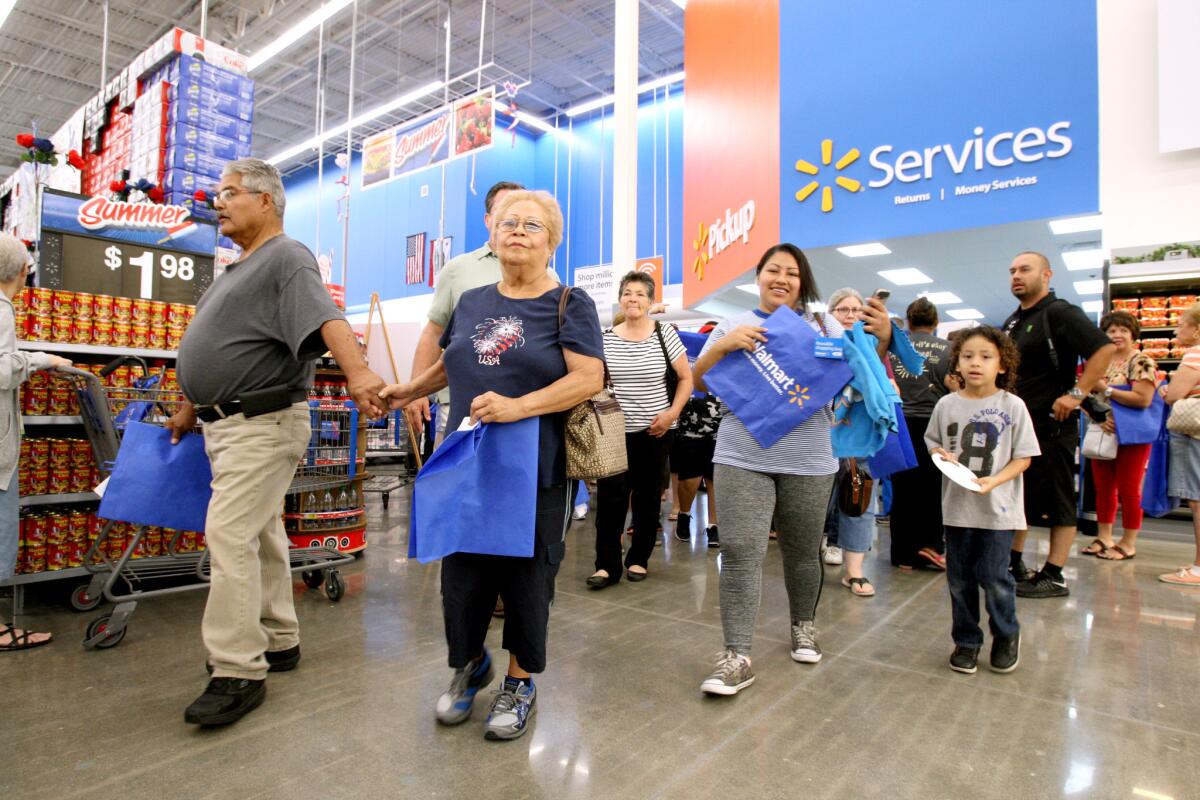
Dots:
pixel 700 245
pixel 849 184
pixel 798 395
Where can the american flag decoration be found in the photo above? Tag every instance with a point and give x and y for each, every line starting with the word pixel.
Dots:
pixel 414 264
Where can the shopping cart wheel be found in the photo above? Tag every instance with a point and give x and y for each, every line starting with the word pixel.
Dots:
pixel 335 586
pixel 99 628
pixel 82 601
pixel 312 580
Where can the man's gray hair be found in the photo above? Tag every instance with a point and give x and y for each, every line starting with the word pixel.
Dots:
pixel 259 176
pixel 13 256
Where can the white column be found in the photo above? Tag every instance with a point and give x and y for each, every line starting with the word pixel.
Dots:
pixel 625 71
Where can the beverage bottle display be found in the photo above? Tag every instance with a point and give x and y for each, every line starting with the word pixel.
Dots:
pixel 343 500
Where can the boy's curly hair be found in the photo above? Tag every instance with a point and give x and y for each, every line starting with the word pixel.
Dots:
pixel 1010 357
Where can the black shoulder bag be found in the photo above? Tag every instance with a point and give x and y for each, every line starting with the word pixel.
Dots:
pixel 671 378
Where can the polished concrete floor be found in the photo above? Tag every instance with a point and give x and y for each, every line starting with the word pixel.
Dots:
pixel 1105 703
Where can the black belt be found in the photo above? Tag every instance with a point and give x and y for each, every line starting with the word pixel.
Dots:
pixel 223 410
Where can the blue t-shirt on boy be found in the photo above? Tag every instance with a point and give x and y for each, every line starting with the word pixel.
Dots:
pixel 513 347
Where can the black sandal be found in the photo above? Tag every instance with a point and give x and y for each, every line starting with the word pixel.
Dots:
pixel 20 642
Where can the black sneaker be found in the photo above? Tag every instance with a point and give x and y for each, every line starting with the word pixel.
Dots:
pixel 225 700
pixel 1042 585
pixel 1021 573
pixel 1006 653
pixel 683 527
pixel 277 660
pixel 713 539
pixel 965 660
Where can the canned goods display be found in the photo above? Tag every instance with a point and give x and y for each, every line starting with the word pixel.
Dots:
pixel 62 328
pixel 81 331
pixel 39 479
pixel 81 479
pixel 38 326
pixel 102 332
pixel 36 529
pixel 60 399
pixel 81 452
pixel 19 315
pixel 176 314
pixel 42 300
pixel 140 311
pixel 57 555
pixel 62 302
pixel 82 305
pixel 39 455
pixel 122 309
pixel 102 307
pixel 122 333
pixel 158 312
pixel 59 529
pixel 140 335
pixel 157 339
pixel 35 558
pixel 174 337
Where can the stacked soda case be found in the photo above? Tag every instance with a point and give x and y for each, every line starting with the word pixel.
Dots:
pixel 55 466
pixel 55 539
pixel 207 121
pixel 108 149
pixel 55 315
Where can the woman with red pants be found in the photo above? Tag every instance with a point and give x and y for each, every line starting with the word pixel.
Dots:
pixel 1122 477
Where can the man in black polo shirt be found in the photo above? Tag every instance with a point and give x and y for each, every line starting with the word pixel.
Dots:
pixel 1053 336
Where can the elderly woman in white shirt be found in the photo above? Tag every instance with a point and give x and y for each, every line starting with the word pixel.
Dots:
pixel 15 366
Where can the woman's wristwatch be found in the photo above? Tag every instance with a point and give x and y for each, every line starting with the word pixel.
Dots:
pixel 1108 390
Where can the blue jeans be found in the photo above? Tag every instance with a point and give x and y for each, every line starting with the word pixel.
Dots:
pixel 978 559
pixel 10 526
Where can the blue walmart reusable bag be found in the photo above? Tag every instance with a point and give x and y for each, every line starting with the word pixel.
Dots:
pixel 477 493
pixel 781 383
pixel 155 482
pixel 1138 425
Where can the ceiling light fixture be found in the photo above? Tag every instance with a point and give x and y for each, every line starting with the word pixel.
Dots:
pixel 868 249
pixel 1092 222
pixel 604 100
pixel 1089 287
pixel 1076 260
pixel 1092 306
pixel 530 120
pixel 292 34
pixel 965 313
pixel 905 277
pixel 361 119
pixel 941 298
pixel 6 7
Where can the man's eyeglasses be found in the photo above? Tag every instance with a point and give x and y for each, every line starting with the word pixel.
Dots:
pixel 225 195
pixel 531 226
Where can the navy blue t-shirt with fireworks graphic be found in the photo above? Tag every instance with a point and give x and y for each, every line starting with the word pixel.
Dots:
pixel 513 347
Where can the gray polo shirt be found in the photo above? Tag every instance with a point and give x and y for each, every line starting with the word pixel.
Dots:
pixel 258 325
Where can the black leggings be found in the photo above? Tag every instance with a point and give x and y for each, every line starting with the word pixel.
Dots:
pixel 916 515
pixel 643 482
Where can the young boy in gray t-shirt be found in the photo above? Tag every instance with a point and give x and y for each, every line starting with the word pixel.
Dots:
pixel 986 428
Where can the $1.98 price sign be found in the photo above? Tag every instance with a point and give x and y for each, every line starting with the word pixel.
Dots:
pixel 132 269
pixel 167 265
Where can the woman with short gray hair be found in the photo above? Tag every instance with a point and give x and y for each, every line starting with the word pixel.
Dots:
pixel 15 366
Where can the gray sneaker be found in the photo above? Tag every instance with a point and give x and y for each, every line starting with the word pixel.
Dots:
pixel 512 709
pixel 731 674
pixel 804 643
pixel 455 704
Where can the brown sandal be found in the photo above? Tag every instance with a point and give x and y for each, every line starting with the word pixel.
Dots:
pixel 1116 548
pixel 1088 551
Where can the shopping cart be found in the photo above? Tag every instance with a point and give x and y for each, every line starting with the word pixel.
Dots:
pixel 388 438
pixel 122 579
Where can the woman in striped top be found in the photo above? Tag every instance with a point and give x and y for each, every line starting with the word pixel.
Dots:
pixel 639 353
pixel 789 481
pixel 1183 479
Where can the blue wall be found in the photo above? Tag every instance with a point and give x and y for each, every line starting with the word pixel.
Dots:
pixel 381 217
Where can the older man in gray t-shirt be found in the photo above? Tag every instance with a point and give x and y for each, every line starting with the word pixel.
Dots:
pixel 245 365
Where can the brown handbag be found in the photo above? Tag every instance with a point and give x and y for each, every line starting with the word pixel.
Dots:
pixel 854 491
pixel 595 429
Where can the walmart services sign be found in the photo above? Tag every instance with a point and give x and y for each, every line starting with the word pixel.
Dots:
pixel 972 115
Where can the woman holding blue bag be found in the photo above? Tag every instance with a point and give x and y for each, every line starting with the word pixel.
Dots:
pixel 510 353
pixel 1129 383
pixel 789 481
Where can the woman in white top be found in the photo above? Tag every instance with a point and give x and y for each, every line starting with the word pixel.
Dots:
pixel 639 353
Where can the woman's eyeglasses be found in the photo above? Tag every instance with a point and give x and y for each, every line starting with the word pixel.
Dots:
pixel 531 226
pixel 842 310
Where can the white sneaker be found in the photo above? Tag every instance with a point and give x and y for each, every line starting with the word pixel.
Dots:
pixel 580 511
pixel 833 555
pixel 731 674
pixel 804 643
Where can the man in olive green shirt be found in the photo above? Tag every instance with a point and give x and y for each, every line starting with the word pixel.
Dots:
pixel 462 273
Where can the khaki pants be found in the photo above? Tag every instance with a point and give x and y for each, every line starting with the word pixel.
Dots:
pixel 250 608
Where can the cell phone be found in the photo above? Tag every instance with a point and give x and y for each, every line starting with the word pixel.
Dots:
pixel 882 295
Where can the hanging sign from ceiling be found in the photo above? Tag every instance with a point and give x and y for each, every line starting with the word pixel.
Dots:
pixel 461 128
